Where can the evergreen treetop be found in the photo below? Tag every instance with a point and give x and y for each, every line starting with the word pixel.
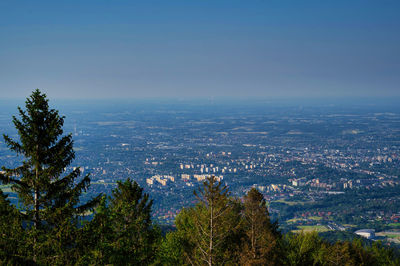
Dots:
pixel 49 197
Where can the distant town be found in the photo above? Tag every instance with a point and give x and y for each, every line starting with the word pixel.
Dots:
pixel 321 168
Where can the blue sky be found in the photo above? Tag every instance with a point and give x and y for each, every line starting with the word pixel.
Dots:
pixel 191 49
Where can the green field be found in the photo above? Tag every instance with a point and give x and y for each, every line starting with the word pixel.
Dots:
pixel 316 218
pixel 349 225
pixel 295 220
pixel 310 228
pixel 291 203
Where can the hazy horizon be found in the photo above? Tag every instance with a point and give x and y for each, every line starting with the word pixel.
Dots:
pixel 365 103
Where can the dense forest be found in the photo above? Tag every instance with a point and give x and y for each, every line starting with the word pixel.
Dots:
pixel 51 227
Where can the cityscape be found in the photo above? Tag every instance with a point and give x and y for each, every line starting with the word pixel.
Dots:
pixel 320 168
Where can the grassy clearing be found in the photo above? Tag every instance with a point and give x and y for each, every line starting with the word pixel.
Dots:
pixel 290 203
pixel 349 225
pixel 316 218
pixel 295 220
pixel 310 228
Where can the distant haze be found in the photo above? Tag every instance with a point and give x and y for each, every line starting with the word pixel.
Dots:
pixel 192 49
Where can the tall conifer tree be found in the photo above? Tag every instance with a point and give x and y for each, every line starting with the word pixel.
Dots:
pixel 121 232
pixel 260 245
pixel 49 197
pixel 134 235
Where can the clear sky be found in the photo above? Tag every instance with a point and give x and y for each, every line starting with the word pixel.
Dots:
pixel 189 49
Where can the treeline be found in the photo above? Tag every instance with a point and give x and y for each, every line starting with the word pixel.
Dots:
pixel 49 227
pixel 218 230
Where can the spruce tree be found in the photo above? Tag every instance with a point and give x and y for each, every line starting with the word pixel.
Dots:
pixel 49 196
pixel 121 232
pixel 134 235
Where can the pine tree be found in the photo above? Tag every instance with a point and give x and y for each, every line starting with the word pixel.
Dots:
pixel 134 235
pixel 49 197
pixel 121 231
pixel 261 241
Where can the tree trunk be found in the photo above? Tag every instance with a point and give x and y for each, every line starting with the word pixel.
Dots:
pixel 210 255
pixel 36 206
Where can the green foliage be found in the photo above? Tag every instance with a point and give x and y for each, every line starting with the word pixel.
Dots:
pixel 96 237
pixel 221 230
pixel 172 249
pixel 134 235
pixel 121 232
pixel 310 249
pixel 304 248
pixel 216 225
pixel 382 255
pixel 248 237
pixel 12 235
pixel 49 197
pixel 261 241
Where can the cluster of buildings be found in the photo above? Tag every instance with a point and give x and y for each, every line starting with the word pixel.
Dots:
pixel 165 179
pixel 162 179
pixel 211 168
